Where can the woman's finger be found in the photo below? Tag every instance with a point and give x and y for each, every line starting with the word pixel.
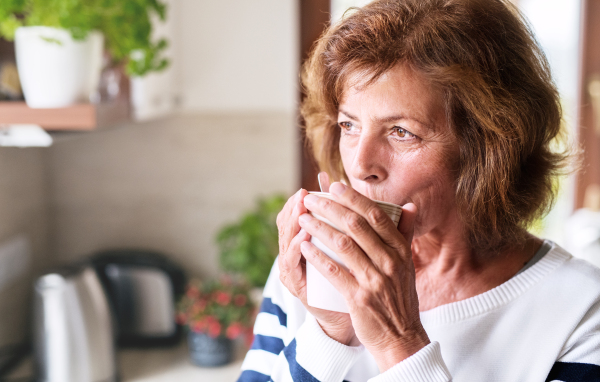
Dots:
pixel 358 228
pixel 293 256
pixel 288 207
pixel 290 227
pixel 340 278
pixel 343 245
pixel 369 210
pixel 291 270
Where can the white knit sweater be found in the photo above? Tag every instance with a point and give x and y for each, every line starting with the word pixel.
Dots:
pixel 541 325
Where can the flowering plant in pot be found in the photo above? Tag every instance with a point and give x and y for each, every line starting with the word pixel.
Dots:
pixel 215 313
pixel 59 44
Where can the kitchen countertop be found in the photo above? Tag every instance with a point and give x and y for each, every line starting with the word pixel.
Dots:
pixel 173 365
pixel 159 365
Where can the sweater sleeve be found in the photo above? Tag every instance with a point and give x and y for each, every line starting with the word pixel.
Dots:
pixel 580 358
pixel 289 345
pixel 426 365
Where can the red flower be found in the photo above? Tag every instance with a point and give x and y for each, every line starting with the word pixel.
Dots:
pixel 214 329
pixel 193 292
pixel 234 330
pixel 217 310
pixel 198 307
pixel 198 326
pixel 210 319
pixel 239 300
pixel 222 298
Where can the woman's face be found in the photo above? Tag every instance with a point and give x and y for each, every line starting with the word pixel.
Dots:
pixel 396 145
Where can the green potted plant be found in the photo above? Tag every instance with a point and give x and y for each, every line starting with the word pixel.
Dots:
pixel 215 313
pixel 59 44
pixel 249 246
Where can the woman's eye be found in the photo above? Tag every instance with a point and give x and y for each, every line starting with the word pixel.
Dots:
pixel 346 126
pixel 403 133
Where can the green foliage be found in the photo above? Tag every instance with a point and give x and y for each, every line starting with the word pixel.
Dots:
pixel 125 24
pixel 217 308
pixel 250 246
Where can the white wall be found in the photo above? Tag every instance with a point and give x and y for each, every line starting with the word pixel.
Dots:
pixel 237 55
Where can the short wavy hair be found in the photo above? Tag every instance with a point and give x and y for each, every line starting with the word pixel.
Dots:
pixel 501 102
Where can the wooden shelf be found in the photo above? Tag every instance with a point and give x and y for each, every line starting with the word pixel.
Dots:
pixel 81 117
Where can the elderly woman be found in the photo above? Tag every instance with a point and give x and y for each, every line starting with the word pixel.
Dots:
pixel 447 108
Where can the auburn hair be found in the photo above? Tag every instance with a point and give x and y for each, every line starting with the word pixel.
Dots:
pixel 501 102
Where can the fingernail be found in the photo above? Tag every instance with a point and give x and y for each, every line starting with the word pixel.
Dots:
pixel 311 199
pixel 302 232
pixel 337 188
pixel 304 218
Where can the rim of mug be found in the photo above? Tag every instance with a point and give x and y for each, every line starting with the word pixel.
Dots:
pixel 328 195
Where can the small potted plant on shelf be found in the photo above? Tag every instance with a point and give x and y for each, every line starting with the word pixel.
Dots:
pixel 215 313
pixel 249 246
pixel 59 44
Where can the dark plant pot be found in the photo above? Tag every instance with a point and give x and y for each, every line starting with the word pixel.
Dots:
pixel 208 351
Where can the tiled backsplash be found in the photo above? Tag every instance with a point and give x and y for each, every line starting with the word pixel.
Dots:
pixel 167 185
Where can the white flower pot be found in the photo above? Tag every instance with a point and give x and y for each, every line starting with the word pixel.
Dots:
pixel 55 70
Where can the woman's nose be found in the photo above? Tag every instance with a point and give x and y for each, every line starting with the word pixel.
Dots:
pixel 369 160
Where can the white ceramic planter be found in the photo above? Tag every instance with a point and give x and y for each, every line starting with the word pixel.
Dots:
pixel 55 70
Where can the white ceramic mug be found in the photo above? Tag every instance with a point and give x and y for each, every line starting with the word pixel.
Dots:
pixel 320 293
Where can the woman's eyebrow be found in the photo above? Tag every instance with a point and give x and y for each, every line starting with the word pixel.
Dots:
pixel 348 115
pixel 394 118
pixel 389 119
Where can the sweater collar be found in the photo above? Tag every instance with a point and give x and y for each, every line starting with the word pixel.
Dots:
pixel 500 295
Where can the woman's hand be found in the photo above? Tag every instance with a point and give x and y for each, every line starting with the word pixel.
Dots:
pixel 379 287
pixel 292 268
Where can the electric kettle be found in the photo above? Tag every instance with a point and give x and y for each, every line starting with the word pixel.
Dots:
pixel 73 329
pixel 143 288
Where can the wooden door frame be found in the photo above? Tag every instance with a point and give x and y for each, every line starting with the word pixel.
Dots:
pixel 589 67
pixel 315 16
